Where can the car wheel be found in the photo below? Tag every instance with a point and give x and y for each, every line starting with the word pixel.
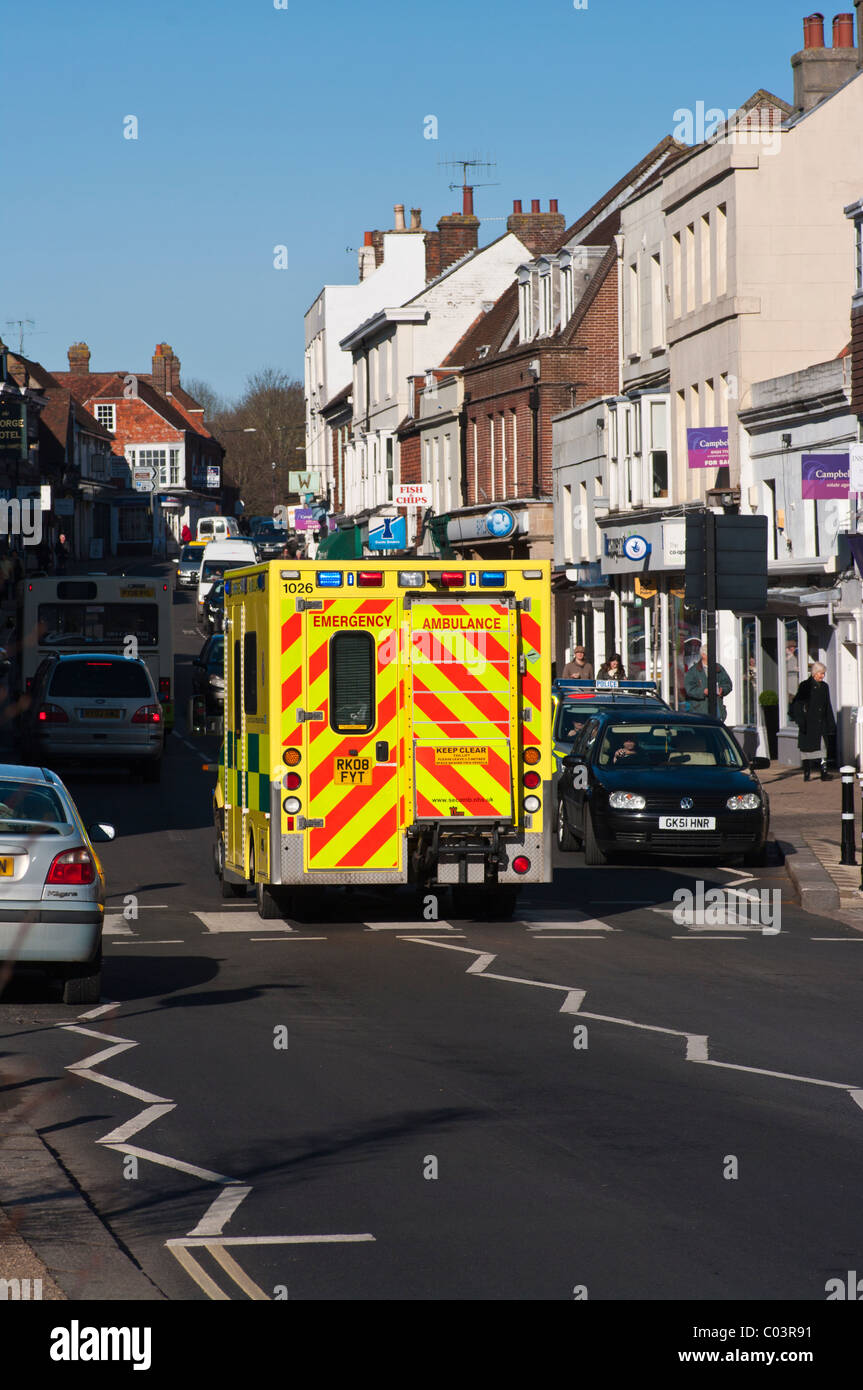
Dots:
pixel 82 984
pixel 565 838
pixel 592 853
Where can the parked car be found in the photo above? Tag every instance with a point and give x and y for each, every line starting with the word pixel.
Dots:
pixel 101 707
pixel 52 888
pixel 208 673
pixel 660 783
pixel 188 564
pixel 270 543
pixel 576 700
pixel 214 607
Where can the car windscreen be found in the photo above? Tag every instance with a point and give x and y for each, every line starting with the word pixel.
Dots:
pixel 37 808
pixel 117 680
pixel 667 746
pixel 191 552
pixel 214 569
pixel 94 624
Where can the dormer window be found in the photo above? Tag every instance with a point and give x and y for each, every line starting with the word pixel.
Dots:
pixel 106 415
pixel 526 326
pixel 567 293
pixel 546 301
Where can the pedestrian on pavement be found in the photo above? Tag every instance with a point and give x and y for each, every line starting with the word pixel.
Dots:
pixel 578 669
pixel 186 534
pixel 695 685
pixel 812 712
pixel 612 669
pixel 61 555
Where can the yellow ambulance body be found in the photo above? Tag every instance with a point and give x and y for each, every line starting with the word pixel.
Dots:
pixel 386 722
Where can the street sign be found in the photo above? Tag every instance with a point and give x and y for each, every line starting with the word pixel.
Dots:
pixel 413 495
pixel 308 481
pixel 143 478
pixel 500 522
pixel 391 534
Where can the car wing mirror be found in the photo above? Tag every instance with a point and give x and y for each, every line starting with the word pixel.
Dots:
pixel 101 832
pixel 573 760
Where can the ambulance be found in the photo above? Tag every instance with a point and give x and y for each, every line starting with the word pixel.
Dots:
pixel 386 722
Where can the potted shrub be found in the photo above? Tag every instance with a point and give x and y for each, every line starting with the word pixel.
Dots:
pixel 769 702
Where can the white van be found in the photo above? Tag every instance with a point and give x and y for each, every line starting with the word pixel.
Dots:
pixel 217 528
pixel 218 557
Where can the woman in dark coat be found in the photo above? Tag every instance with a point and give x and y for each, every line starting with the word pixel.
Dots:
pixel 612 669
pixel 812 712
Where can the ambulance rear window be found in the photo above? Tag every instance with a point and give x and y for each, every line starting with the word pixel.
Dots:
pixel 352 682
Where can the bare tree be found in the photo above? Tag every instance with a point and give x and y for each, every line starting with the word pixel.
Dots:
pixel 206 396
pixel 272 406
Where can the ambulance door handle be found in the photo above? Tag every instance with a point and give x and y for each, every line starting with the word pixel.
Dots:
pixel 382 751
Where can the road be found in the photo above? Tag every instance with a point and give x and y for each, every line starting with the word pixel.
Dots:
pixel 592 1100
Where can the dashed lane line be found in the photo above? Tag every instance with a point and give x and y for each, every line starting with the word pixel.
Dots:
pixel 697 1044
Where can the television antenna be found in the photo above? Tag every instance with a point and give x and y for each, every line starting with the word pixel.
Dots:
pixel 23 326
pixel 465 165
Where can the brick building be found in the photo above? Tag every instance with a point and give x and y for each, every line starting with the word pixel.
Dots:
pixel 153 423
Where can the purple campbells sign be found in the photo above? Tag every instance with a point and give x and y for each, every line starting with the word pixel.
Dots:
pixel 708 448
pixel 824 475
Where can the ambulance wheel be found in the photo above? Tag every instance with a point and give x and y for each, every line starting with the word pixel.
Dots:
pixel 565 838
pixel 592 853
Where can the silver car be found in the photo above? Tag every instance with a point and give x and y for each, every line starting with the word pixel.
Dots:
pixel 52 888
pixel 101 707
pixel 188 566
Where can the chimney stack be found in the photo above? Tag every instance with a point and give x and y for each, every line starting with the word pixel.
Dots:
pixel 467 201
pixel 399 210
pixel 79 359
pixel 161 367
pixel 819 71
pixel 416 220
pixel 540 231
pixel 366 256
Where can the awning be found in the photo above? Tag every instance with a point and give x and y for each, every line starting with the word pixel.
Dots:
pixel 343 544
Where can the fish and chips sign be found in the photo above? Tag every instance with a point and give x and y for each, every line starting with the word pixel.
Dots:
pixel 13 428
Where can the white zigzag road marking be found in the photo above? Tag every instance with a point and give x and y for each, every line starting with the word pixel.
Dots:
pixel 697 1044
pixel 209 1229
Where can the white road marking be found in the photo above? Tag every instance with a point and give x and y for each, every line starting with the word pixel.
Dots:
pixel 698 935
pixel 292 937
pixel 836 938
pixel 165 1161
pixel 139 1121
pixel 573 1001
pixel 102 1009
pixel 220 1210
pixel 578 926
pixel 270 1240
pixel 115 924
pixel 229 922
pixel 407 926
pixel 584 937
pixel 697 1045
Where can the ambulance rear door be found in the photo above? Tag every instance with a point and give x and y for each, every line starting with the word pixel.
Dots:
pixel 352 717
pixel 464 702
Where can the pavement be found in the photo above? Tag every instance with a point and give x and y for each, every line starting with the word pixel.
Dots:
pixel 805 820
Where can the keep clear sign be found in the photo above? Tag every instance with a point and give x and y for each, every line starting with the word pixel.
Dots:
pixel 457 754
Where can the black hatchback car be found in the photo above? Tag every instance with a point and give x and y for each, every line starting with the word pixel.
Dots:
pixel 660 783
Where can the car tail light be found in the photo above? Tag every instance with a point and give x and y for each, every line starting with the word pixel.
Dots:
pixel 521 864
pixel 452 579
pixel 147 714
pixel 369 579
pixel 28 685
pixel 531 779
pixel 53 714
pixel 292 780
pixel 164 687
pixel 291 757
pixel 532 756
pixel 74 866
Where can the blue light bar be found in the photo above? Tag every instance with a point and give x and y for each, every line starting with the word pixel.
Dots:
pixel 492 579
pixel 563 684
pixel 330 579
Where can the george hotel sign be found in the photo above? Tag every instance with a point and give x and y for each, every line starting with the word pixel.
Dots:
pixel 13 428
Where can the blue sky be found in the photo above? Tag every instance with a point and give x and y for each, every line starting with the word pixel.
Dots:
pixel 302 127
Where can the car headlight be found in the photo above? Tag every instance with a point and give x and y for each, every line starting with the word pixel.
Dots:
pixel 626 801
pixel 749 801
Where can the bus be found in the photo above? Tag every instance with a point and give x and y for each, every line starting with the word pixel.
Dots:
pixel 129 614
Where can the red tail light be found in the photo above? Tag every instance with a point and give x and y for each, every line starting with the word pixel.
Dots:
pixel 53 714
pixel 531 779
pixel 452 579
pixel 147 714
pixel 369 579
pixel 164 687
pixel 75 866
pixel 29 684
pixel 521 864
